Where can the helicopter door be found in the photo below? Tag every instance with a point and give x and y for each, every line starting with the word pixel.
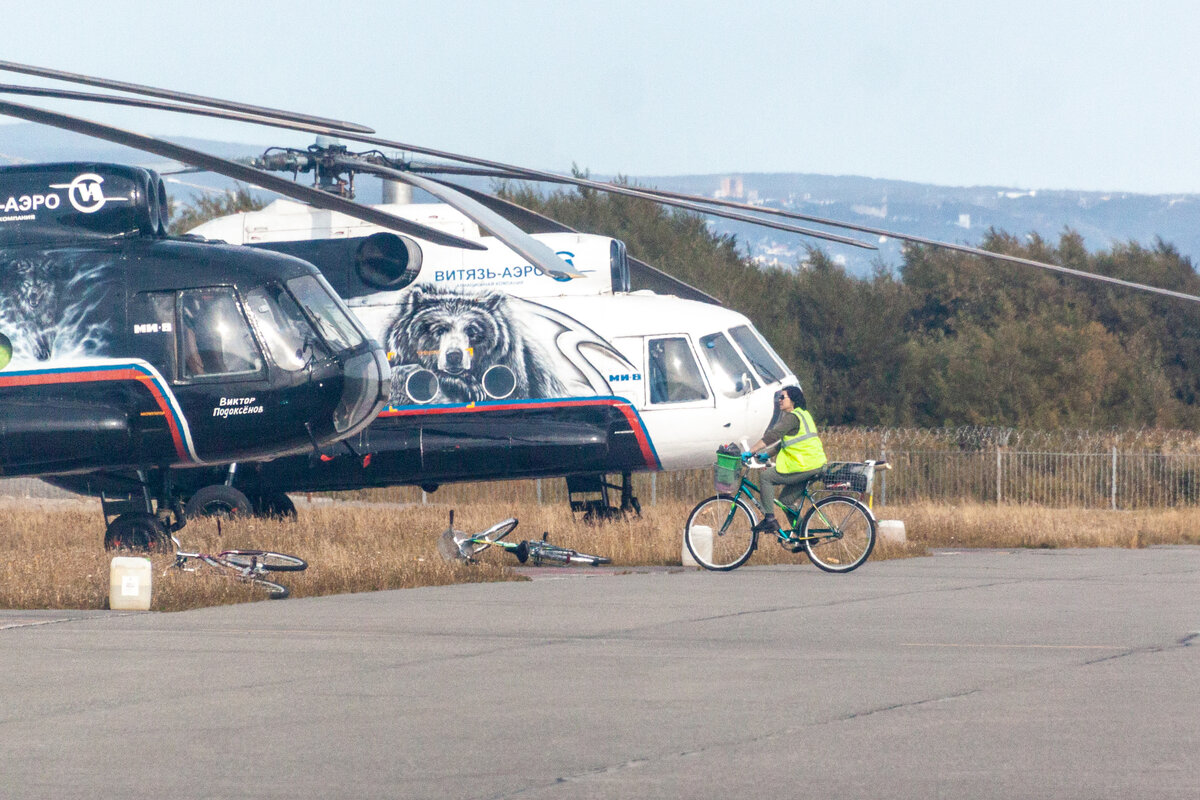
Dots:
pixel 680 409
pixel 221 374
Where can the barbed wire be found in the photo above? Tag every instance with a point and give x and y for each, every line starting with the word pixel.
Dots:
pixel 979 437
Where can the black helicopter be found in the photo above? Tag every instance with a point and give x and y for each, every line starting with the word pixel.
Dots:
pixel 129 354
pixel 435 431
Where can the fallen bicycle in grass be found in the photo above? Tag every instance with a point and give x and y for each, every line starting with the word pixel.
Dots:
pixel 455 545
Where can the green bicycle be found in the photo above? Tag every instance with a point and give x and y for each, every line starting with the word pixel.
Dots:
pixel 837 532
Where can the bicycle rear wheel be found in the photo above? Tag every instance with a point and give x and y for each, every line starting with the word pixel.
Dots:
pixel 848 538
pixel 720 532
pixel 271 562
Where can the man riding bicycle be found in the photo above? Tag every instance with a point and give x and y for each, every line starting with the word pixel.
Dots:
pixel 801 456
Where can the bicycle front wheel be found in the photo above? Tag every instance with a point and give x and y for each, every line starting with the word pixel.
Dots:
pixel 275 591
pixel 843 532
pixel 720 532
pixel 271 562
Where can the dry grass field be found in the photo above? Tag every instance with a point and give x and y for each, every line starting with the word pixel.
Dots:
pixel 51 555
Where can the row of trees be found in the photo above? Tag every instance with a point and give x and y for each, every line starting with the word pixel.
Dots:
pixel 947 339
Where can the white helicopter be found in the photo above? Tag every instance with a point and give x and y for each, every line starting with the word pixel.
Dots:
pixel 500 370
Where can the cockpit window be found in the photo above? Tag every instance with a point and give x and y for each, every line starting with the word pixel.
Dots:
pixel 285 330
pixel 730 375
pixel 317 299
pixel 214 337
pixel 762 358
pixel 674 374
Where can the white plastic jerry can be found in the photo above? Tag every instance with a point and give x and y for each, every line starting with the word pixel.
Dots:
pixel 892 530
pixel 702 541
pixel 129 584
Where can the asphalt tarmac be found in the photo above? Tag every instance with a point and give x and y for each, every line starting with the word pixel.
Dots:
pixel 1024 674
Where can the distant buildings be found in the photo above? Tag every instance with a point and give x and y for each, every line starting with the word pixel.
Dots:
pixel 731 189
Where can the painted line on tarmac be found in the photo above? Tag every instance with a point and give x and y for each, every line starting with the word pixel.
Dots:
pixel 1020 646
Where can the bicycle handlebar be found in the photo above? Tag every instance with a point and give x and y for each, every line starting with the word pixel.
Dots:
pixel 756 460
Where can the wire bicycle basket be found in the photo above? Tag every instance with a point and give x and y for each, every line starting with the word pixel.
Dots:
pixel 849 476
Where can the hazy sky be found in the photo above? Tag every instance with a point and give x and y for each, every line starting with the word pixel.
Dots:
pixel 1057 95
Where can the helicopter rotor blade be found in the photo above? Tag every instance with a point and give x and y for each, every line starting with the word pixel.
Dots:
pixel 703 205
pixel 516 239
pixel 450 169
pixel 975 251
pixel 533 222
pixel 167 94
pixel 155 105
pixel 282 119
pixel 521 173
pixel 232 169
pixel 529 221
pixel 960 248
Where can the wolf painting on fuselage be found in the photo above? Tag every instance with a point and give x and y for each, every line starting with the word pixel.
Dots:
pixel 47 304
pixel 449 346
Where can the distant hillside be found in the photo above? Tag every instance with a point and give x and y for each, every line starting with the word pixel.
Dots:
pixel 25 141
pixel 956 214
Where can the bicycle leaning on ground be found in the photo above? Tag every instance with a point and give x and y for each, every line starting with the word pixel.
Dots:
pixel 837 531
pixel 250 566
pixel 458 546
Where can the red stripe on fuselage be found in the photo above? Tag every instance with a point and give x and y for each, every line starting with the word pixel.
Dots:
pixel 103 375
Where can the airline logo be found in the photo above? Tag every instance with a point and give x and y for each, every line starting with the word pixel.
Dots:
pixel 87 194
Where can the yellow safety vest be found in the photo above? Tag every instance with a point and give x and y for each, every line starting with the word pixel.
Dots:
pixel 801 452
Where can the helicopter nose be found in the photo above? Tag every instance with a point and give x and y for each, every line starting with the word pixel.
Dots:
pixel 364 391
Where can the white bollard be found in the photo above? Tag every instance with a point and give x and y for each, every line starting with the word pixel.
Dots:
pixel 702 541
pixel 892 530
pixel 129 584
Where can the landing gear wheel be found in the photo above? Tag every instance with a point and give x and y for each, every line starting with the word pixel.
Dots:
pixel 218 500
pixel 137 531
pixel 275 505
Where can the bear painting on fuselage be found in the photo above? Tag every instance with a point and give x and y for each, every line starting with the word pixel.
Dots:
pixel 448 346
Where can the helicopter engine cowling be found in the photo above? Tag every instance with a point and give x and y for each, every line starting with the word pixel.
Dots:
pixel 164 209
pixel 69 201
